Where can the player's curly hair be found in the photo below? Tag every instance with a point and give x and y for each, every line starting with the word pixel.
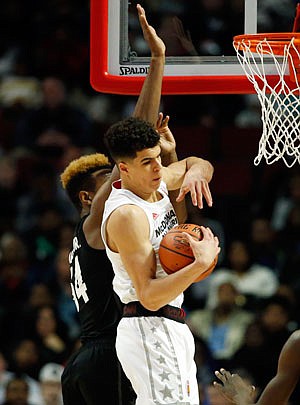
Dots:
pixel 77 175
pixel 129 136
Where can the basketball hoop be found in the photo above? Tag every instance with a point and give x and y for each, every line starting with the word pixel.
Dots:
pixel 279 94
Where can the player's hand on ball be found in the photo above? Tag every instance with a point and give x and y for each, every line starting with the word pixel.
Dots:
pixel 206 249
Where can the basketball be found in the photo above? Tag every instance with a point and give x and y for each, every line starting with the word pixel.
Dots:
pixel 175 252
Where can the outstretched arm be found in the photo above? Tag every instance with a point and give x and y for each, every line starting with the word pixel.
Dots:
pixel 147 106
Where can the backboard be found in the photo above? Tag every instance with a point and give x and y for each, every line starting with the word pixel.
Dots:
pixel 200 58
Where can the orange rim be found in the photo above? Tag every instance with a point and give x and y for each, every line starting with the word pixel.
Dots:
pixel 276 41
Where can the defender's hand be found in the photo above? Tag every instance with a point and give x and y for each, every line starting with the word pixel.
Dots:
pixel 196 185
pixel 155 44
pixel 167 141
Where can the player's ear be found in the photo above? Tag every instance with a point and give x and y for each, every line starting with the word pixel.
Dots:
pixel 85 197
pixel 123 167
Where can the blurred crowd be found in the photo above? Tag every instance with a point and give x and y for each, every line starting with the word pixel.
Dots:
pixel 49 114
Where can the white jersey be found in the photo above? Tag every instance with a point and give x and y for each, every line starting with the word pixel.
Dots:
pixel 161 217
pixel 156 353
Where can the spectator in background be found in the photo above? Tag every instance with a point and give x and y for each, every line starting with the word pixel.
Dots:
pixel 61 288
pixel 14 288
pixel 196 294
pixel 289 242
pixel 51 335
pixel 12 248
pixel 9 192
pixel 223 326
pixel 286 200
pixel 276 317
pixel 40 295
pixel 254 355
pixel 24 361
pixel 24 358
pixel 18 93
pixel 253 281
pixel 264 245
pixel 43 190
pixel 42 243
pixel 66 41
pixel 5 376
pixel 55 124
pixel 17 392
pixel 50 381
pixel 66 231
pixel 264 340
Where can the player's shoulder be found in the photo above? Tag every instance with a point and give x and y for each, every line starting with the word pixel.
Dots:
pixel 127 213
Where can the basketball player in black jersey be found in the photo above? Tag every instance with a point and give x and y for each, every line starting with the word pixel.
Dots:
pixel 92 375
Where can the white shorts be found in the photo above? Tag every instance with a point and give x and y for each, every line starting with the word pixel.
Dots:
pixel 157 355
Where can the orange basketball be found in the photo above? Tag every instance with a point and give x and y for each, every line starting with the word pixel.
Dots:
pixel 175 252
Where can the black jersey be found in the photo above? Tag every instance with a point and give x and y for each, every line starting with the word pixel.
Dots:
pixel 93 375
pixel 91 282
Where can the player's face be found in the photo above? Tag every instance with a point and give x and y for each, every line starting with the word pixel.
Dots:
pixel 145 170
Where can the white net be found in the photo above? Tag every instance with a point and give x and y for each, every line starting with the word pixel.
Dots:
pixel 280 101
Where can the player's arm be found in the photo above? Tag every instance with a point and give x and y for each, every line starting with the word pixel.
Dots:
pixel 190 175
pixel 147 106
pixel 168 156
pixel 148 103
pixel 93 221
pixel 138 257
pixel 278 390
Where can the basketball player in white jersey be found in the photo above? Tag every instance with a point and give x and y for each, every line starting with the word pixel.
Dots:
pixel 154 345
